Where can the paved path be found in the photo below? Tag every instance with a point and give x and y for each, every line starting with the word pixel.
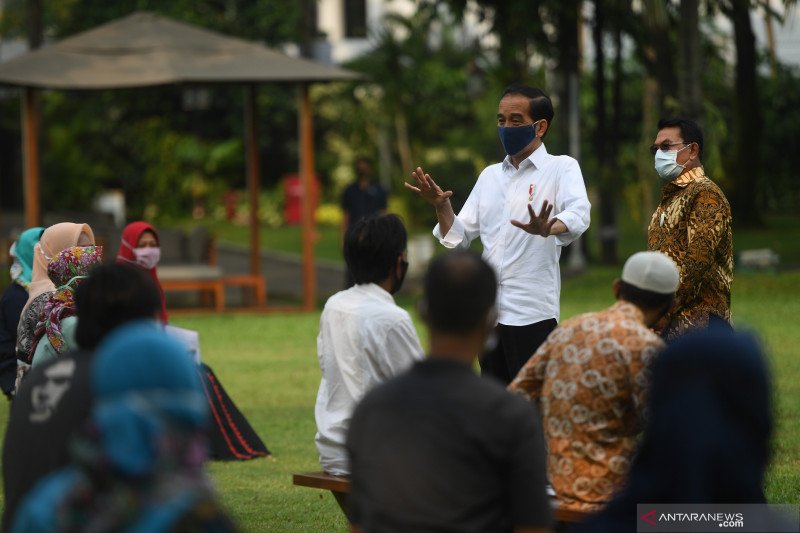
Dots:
pixel 283 272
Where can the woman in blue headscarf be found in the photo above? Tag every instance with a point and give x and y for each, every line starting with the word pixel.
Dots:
pixel 708 433
pixel 12 302
pixel 139 466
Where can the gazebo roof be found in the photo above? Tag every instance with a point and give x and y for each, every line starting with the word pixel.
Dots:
pixel 145 49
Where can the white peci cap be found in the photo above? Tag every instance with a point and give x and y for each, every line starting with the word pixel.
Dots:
pixel 651 271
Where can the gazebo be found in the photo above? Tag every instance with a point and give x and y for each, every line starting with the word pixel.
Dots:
pixel 144 49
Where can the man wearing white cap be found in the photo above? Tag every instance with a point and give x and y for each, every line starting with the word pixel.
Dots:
pixel 589 380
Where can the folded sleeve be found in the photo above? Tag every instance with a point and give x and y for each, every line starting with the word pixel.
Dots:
pixel 572 203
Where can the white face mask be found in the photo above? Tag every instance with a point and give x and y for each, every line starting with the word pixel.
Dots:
pixel 667 165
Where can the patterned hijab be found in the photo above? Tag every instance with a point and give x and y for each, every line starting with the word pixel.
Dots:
pixel 54 239
pixel 22 252
pixel 67 270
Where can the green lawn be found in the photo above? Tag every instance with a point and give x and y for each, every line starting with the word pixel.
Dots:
pixel 270 368
pixel 268 364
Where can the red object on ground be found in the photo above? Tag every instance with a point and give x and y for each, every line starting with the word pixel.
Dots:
pixel 293 198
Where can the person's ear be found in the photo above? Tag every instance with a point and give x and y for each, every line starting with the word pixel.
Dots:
pixel 694 151
pixel 541 127
pixel 615 287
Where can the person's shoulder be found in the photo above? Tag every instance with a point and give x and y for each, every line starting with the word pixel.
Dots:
pixel 385 394
pixel 565 162
pixel 349 191
pixel 706 185
pixel 73 363
pixel 497 400
pixel 494 169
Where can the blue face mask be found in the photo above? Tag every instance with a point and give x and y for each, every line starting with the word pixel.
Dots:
pixel 515 139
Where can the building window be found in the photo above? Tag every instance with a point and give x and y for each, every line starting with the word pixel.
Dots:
pixel 355 18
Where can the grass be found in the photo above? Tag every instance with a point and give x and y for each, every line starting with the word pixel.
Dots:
pixel 269 366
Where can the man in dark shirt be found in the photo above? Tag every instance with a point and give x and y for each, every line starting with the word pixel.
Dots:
pixel 438 448
pixel 362 198
pixel 54 400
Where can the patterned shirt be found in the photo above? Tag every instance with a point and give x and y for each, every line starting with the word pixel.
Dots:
pixel 692 225
pixel 589 380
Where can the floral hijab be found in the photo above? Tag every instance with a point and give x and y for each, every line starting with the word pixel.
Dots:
pixel 66 270
pixel 54 239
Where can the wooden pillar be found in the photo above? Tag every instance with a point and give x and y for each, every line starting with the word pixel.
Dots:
pixel 253 173
pixel 30 158
pixel 307 179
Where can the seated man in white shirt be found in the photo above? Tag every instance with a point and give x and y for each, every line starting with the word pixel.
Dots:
pixel 524 255
pixel 364 337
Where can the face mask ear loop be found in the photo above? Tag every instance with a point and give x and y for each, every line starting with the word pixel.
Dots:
pixel 68 284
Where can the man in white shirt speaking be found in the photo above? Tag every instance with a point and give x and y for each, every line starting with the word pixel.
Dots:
pixel 510 210
pixel 364 337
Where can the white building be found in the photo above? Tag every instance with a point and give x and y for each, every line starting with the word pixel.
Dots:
pixel 346 27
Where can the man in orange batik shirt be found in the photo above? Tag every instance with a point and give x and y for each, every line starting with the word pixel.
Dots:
pixel 589 381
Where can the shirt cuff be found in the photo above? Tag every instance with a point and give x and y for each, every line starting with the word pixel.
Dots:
pixel 454 238
pixel 574 228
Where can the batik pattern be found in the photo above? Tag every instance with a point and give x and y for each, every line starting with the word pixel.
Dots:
pixel 692 225
pixel 589 380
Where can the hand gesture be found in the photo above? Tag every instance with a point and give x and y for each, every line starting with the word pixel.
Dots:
pixel 427 189
pixel 540 224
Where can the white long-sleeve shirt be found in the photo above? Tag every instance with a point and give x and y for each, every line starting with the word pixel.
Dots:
pixel 364 339
pixel 526 265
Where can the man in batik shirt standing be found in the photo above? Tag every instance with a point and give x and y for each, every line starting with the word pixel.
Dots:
pixel 692 225
pixel 589 381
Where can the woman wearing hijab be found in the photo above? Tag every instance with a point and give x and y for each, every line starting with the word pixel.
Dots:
pixel 55 333
pixel 56 238
pixel 707 438
pixel 139 466
pixel 140 246
pixel 11 303
pixel 232 437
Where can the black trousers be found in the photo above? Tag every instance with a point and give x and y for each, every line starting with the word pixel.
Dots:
pixel 515 345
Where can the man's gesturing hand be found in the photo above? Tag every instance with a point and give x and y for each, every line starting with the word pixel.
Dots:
pixel 540 224
pixel 427 189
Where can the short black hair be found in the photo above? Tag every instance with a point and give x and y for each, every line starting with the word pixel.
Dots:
pixel 642 298
pixel 540 105
pixel 110 296
pixel 690 131
pixel 372 246
pixel 460 289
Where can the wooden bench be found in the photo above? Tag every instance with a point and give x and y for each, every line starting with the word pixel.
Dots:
pixel 340 486
pixel 191 265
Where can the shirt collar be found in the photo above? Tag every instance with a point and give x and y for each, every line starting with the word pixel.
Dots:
pixel 689 176
pixel 375 290
pixel 537 159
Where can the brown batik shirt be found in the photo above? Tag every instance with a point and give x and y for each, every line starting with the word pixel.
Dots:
pixel 589 380
pixel 692 225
